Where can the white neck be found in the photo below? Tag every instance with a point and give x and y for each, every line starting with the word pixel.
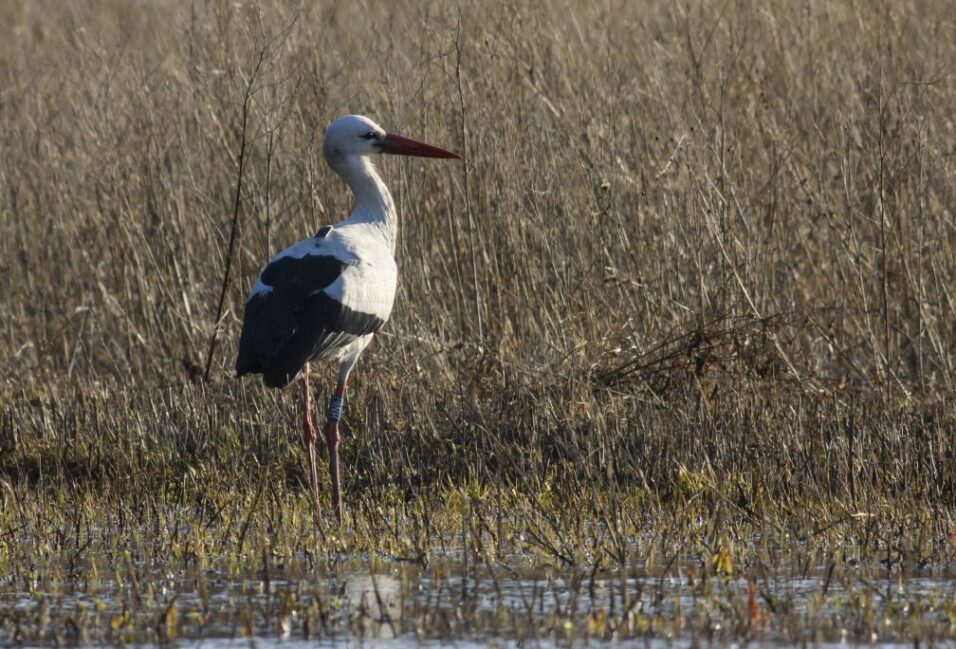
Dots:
pixel 373 202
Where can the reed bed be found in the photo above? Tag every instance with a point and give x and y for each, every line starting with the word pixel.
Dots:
pixel 687 305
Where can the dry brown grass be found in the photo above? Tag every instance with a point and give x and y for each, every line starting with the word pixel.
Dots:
pixel 687 306
pixel 697 252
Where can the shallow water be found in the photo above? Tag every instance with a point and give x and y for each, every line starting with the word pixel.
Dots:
pixel 379 602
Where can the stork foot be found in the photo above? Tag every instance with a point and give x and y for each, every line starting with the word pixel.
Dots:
pixel 308 434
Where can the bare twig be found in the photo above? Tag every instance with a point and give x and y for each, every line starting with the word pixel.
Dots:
pixel 246 106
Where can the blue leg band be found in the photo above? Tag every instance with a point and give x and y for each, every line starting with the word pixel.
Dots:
pixel 335 408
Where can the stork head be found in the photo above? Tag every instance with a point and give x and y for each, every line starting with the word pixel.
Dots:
pixel 356 135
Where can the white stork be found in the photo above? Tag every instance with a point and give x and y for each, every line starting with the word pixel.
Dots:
pixel 325 297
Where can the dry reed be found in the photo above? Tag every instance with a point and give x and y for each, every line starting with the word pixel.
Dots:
pixel 698 259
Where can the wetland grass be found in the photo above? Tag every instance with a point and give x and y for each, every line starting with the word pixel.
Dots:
pixel 686 368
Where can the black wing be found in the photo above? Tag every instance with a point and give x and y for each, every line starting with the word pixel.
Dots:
pixel 294 322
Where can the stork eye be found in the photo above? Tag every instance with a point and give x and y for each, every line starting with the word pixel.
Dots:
pixel 371 135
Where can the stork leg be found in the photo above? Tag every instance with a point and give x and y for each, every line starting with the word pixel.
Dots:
pixel 332 442
pixel 308 438
pixel 336 402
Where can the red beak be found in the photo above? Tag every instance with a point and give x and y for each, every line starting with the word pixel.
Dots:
pixel 401 145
